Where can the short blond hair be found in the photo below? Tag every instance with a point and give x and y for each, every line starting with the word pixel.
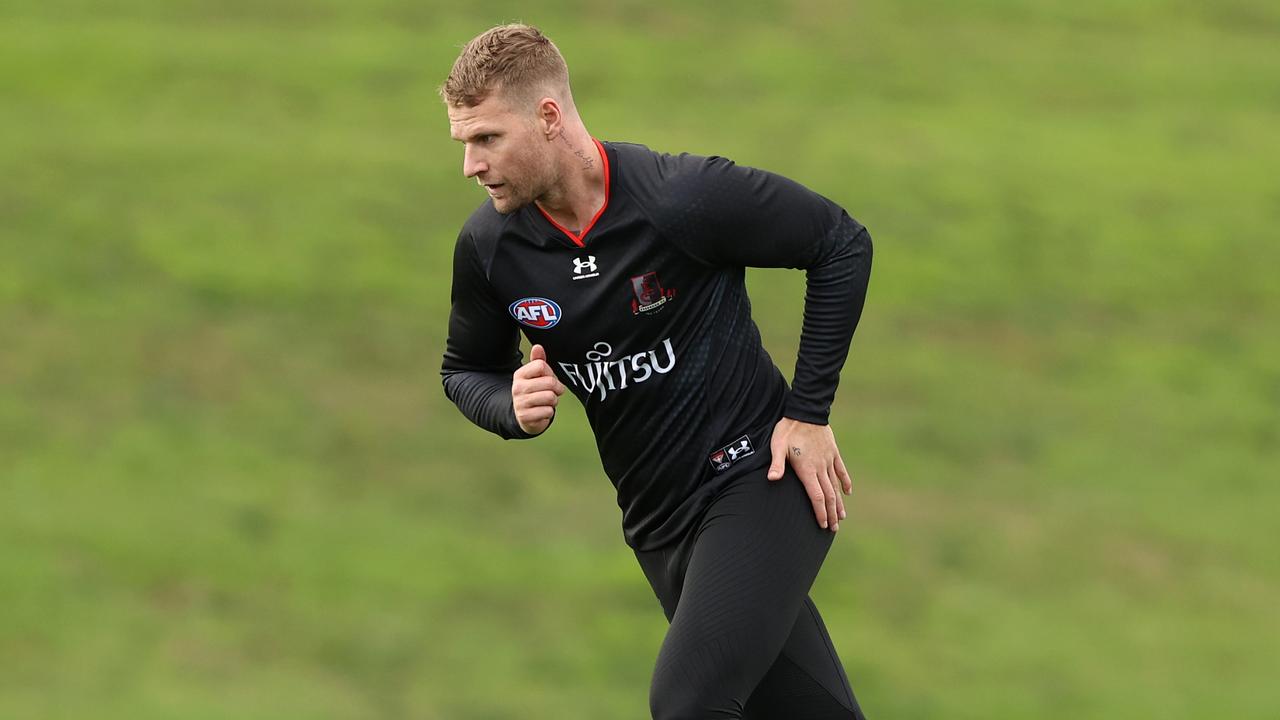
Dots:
pixel 516 59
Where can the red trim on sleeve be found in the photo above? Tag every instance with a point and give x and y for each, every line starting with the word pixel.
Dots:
pixel 580 238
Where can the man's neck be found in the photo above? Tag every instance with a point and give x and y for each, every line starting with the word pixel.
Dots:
pixel 580 194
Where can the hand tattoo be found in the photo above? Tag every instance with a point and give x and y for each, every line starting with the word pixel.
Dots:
pixel 796 450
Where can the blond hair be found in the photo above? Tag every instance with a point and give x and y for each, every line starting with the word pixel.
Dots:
pixel 515 59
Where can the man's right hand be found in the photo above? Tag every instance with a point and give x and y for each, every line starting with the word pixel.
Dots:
pixel 535 392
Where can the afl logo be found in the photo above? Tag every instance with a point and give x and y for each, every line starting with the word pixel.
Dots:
pixel 536 312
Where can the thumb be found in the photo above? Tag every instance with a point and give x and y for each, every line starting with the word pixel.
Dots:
pixel 779 464
pixel 537 352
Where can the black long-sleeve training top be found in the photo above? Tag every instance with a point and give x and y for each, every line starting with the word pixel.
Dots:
pixel 645 318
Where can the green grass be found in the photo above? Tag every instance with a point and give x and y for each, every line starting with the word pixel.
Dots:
pixel 230 486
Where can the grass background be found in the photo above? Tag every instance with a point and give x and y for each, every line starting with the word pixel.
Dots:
pixel 230 486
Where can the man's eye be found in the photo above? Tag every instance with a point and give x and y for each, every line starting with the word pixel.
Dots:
pixel 486 139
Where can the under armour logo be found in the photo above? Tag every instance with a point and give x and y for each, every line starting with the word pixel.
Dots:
pixel 587 266
pixel 742 448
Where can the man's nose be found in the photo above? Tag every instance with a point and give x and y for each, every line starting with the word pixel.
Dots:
pixel 471 164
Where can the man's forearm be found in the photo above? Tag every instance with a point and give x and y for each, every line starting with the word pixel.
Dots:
pixel 834 296
pixel 485 398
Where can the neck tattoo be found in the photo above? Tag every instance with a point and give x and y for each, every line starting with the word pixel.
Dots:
pixel 587 162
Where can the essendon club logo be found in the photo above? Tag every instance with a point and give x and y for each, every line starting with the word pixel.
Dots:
pixel 535 312
pixel 720 460
pixel 650 296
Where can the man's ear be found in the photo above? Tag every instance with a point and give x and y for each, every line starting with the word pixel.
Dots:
pixel 550 119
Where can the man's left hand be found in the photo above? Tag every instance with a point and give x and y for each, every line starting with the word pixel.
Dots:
pixel 812 452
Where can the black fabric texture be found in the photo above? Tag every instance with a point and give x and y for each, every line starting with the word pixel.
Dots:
pixel 745 639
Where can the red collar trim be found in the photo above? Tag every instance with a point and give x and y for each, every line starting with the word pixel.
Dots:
pixel 579 239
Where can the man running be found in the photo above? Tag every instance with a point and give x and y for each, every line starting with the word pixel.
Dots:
pixel 625 269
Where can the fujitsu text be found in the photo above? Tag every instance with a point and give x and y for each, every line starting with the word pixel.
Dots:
pixel 599 374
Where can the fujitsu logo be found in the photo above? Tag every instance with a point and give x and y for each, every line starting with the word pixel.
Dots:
pixel 601 375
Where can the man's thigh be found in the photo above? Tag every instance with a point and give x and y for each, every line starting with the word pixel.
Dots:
pixel 755 555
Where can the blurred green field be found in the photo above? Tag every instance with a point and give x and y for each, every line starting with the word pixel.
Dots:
pixel 230 486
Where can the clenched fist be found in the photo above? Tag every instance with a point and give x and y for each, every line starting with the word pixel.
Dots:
pixel 535 392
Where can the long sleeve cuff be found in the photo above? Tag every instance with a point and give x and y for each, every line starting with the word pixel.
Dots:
pixel 485 398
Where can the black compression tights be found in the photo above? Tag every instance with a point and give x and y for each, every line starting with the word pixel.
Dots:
pixel 745 639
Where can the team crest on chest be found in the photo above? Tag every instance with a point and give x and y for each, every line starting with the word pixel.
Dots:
pixel 535 312
pixel 650 296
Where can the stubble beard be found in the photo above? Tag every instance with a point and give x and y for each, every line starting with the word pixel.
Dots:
pixel 513 198
pixel 518 195
pixel 508 203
